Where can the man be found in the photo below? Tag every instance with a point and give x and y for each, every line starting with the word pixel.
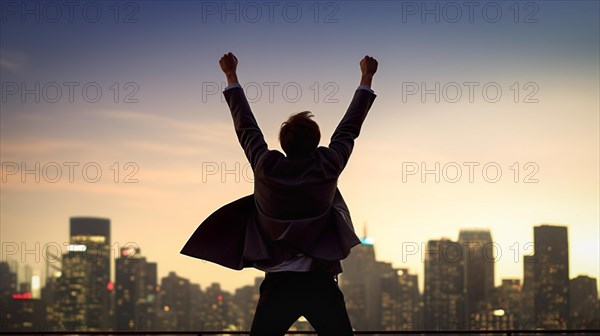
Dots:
pixel 296 226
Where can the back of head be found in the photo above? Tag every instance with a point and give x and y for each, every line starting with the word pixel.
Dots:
pixel 299 135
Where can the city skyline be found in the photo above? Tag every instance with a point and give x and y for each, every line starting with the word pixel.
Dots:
pixel 486 252
pixel 459 291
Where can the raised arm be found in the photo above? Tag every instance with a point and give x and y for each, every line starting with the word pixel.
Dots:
pixel 246 127
pixel 342 140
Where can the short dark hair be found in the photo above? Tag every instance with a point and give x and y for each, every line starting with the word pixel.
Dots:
pixel 299 135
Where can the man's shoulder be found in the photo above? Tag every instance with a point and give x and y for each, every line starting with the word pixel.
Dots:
pixel 269 159
pixel 275 161
pixel 321 151
pixel 273 156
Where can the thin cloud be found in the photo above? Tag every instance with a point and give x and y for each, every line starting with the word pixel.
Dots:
pixel 13 61
pixel 40 147
pixel 168 149
pixel 212 132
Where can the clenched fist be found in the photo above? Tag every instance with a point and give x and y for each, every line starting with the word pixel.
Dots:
pixel 228 63
pixel 368 66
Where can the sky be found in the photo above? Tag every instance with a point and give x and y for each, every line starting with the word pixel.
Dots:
pixel 114 110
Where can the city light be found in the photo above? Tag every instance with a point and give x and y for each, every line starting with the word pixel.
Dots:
pixel 22 296
pixel 77 248
pixel 36 286
pixel 367 241
pixel 498 312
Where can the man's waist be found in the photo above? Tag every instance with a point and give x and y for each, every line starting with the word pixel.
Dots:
pixel 301 275
pixel 302 263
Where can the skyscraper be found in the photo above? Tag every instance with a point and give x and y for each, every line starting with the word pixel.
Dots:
pixel 444 282
pixel 527 320
pixel 246 299
pixel 217 302
pixel 551 276
pixel 84 286
pixel 585 311
pixel 509 295
pixel 400 301
pixel 24 313
pixel 357 282
pixel 8 287
pixel 478 281
pixel 503 308
pixel 148 306
pixel 175 301
pixel 135 291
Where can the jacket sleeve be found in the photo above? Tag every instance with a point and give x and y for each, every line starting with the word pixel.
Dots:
pixel 246 127
pixel 342 140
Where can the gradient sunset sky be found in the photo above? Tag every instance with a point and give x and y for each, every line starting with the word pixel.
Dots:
pixel 165 54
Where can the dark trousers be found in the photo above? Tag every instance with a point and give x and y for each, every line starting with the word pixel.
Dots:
pixel 285 296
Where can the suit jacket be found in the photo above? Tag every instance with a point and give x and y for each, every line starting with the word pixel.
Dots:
pixel 296 206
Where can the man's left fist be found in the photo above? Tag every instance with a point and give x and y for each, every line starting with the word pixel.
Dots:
pixel 228 63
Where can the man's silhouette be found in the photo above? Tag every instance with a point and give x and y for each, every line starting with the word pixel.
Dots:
pixel 296 226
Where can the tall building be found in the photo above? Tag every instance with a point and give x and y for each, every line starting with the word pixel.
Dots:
pixel 216 309
pixel 509 301
pixel 551 274
pixel 135 291
pixel 50 294
pixel 478 280
pixel 245 300
pixel 84 286
pixel 148 306
pixel 8 287
pixel 175 302
pixel 527 320
pixel 382 296
pixel 585 312
pixel 196 312
pixel 502 309
pixel 444 285
pixel 24 313
pixel 400 301
pixel 359 285
pixel 377 296
pixel 389 304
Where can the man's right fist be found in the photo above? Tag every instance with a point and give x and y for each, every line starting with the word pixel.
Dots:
pixel 368 66
pixel 228 63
